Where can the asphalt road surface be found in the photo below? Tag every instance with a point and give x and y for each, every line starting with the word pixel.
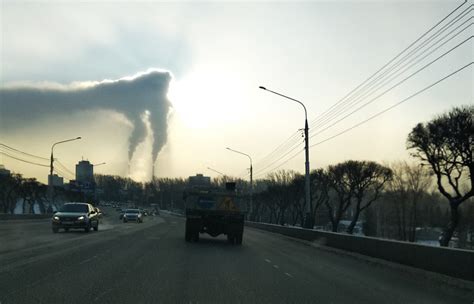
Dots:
pixel 151 263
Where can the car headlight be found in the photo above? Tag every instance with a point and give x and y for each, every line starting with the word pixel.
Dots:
pixel 56 218
pixel 81 218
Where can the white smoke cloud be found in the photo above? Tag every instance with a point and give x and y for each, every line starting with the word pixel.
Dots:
pixel 134 96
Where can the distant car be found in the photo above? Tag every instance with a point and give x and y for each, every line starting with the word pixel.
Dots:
pixel 76 216
pixel 134 215
pixel 122 212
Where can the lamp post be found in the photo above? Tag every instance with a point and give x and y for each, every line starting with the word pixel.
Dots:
pixel 308 223
pixel 251 177
pixel 51 166
pixel 96 165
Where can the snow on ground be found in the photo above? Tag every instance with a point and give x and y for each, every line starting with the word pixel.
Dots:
pixel 429 243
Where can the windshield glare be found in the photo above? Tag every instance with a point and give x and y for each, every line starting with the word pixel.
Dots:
pixel 74 208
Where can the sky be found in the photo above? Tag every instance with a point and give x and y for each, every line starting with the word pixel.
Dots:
pixel 175 83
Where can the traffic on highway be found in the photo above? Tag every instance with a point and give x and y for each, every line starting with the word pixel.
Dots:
pixel 110 266
pixel 248 151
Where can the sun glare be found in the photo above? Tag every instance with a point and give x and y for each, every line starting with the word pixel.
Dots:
pixel 202 100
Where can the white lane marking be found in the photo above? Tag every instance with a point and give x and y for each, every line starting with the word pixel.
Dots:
pixel 268 261
pixel 276 266
pixel 289 275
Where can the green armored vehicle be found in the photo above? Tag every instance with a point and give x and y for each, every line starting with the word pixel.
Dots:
pixel 213 211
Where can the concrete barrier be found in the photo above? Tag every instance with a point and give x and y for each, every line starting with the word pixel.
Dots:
pixel 24 216
pixel 449 261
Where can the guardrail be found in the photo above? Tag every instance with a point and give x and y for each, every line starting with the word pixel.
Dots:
pixel 457 263
pixel 24 216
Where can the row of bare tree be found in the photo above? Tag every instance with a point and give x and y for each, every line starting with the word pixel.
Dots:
pixel 14 187
pixel 444 147
pixel 349 186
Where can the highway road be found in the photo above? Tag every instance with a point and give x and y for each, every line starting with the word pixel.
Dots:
pixel 151 263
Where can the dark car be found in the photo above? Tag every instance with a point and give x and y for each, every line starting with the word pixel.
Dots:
pixel 76 216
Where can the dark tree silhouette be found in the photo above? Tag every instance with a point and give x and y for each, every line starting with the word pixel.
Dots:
pixel 10 191
pixel 446 144
pixel 341 184
pixel 368 179
pixel 319 190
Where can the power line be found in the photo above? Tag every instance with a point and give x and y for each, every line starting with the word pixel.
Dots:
pixel 388 63
pixel 22 152
pixel 286 161
pixel 290 141
pixel 394 86
pixel 23 160
pixel 284 146
pixel 393 106
pixel 64 167
pixel 297 146
pixel 380 95
pixel 383 82
pixel 62 174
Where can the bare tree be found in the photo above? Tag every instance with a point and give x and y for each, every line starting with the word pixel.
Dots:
pixel 319 189
pixel 297 206
pixel 341 185
pixel 280 189
pixel 407 188
pixel 10 191
pixel 446 144
pixel 368 179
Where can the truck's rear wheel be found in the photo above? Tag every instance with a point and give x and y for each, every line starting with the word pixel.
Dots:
pixel 238 239
pixel 187 234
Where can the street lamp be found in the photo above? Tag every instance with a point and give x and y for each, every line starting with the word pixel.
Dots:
pixel 308 223
pixel 51 166
pixel 95 165
pixel 251 177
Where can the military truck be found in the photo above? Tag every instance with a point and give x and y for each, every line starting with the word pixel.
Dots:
pixel 214 211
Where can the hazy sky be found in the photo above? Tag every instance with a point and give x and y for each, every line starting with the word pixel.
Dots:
pixel 218 53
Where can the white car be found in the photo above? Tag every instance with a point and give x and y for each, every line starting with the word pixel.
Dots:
pixel 133 215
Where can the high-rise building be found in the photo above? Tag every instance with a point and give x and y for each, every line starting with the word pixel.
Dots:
pixel 85 172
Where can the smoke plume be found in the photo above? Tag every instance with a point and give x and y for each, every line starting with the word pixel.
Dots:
pixel 131 96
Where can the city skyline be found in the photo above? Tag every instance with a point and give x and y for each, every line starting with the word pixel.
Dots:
pixel 217 55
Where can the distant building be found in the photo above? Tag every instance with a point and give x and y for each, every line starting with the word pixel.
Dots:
pixel 85 172
pixel 4 171
pixel 84 178
pixel 199 180
pixel 55 180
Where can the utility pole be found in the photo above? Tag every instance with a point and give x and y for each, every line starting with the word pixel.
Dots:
pixel 251 178
pixel 308 221
pixel 51 168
